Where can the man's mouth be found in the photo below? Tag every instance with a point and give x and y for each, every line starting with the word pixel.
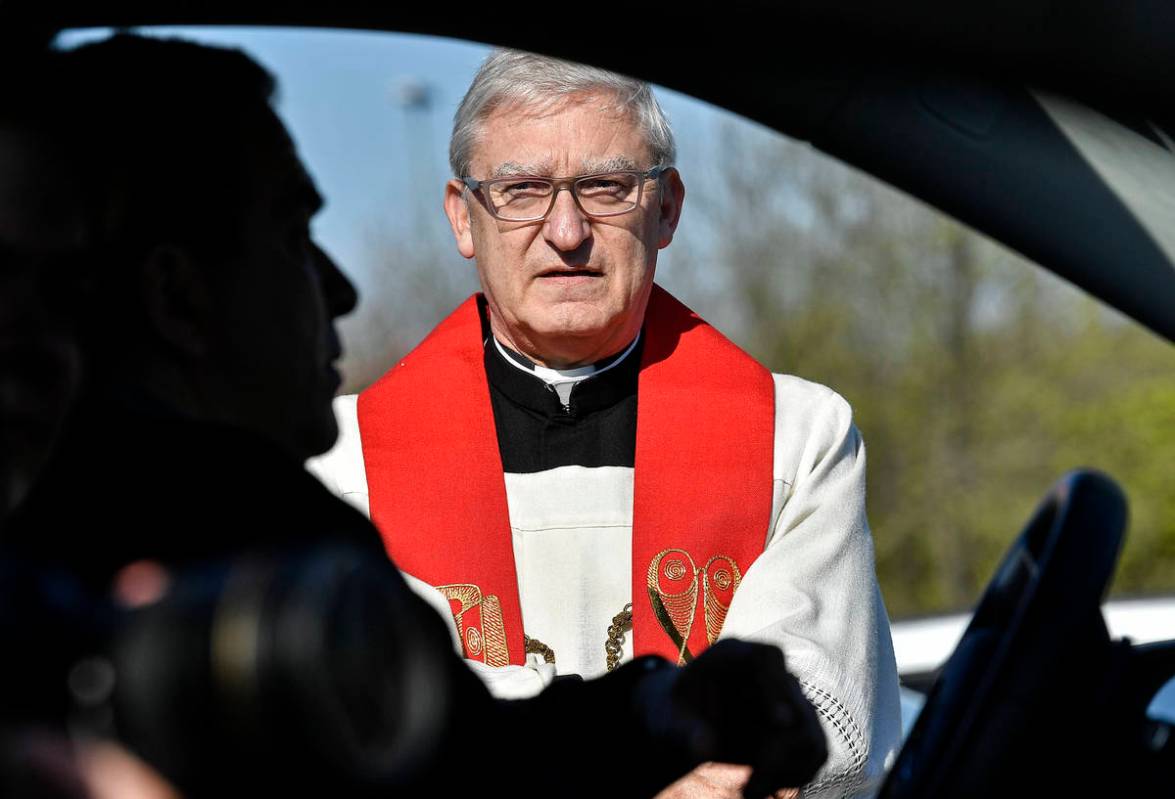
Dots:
pixel 566 273
pixel 334 344
pixel 333 369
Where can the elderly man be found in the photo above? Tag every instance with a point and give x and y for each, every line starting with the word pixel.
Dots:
pixel 582 467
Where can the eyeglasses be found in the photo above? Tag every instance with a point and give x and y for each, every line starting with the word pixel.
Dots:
pixel 525 198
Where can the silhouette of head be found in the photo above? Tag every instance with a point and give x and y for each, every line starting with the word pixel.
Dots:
pixel 213 301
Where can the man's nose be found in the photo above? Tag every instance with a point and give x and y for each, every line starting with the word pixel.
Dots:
pixel 566 227
pixel 340 294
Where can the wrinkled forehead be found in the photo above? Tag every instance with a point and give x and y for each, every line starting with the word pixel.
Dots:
pixel 579 133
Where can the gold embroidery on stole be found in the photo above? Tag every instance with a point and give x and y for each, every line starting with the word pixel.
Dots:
pixel 485 641
pixel 676 610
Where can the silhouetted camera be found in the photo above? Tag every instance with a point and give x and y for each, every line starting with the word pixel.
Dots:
pixel 293 670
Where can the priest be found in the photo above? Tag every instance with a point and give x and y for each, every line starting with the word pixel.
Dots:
pixel 578 469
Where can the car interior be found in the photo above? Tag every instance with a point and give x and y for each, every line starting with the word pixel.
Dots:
pixel 1049 130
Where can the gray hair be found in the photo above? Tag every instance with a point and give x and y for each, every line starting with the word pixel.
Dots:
pixel 512 76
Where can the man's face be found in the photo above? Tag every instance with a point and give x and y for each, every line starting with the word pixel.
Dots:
pixel 276 302
pixel 570 289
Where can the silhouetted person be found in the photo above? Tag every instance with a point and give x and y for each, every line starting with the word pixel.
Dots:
pixel 271 646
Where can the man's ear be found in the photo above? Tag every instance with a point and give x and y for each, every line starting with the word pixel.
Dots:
pixel 671 197
pixel 457 209
pixel 177 298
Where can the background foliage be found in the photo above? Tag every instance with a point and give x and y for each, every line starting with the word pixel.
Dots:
pixel 976 378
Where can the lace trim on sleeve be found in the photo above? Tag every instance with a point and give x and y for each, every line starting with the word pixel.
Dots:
pixel 837 716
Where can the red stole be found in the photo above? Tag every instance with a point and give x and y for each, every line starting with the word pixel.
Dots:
pixel 701 495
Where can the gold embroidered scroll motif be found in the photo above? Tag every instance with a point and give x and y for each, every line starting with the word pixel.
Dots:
pixel 675 581
pixel 720 579
pixel 479 623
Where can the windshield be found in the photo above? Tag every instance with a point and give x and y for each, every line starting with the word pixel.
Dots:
pixel 975 377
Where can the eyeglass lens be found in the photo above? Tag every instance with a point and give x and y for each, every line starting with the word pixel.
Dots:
pixel 601 195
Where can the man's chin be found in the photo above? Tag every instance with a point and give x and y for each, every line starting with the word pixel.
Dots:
pixel 574 322
pixel 323 437
pixel 309 440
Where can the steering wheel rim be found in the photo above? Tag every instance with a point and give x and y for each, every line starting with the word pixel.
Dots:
pixel 1042 603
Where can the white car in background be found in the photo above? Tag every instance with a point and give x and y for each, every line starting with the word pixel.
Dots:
pixel 922 645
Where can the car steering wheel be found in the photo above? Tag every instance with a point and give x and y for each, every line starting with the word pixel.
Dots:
pixel 1036 637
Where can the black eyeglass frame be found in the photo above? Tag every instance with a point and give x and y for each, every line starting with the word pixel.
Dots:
pixel 480 187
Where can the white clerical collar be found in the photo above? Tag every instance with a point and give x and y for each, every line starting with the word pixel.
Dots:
pixel 562 380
